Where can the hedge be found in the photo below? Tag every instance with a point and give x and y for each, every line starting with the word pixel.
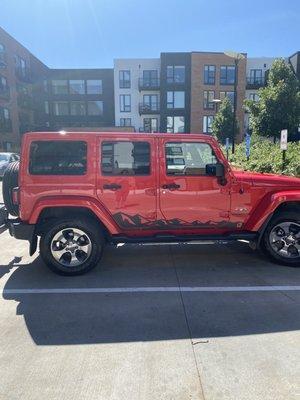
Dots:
pixel 267 157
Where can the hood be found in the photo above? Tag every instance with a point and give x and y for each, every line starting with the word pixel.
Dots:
pixel 261 179
pixel 3 163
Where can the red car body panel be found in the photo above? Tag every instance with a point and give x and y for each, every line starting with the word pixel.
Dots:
pixel 200 205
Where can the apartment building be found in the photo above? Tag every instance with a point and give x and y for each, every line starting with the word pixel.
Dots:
pixel 74 98
pixel 213 77
pixel 34 97
pixel 137 94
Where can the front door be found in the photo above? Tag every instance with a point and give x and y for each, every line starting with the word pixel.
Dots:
pixel 188 197
pixel 126 181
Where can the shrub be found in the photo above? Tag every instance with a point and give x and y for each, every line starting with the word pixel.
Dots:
pixel 267 157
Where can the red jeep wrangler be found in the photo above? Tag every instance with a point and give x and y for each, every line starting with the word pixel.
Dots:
pixel 77 191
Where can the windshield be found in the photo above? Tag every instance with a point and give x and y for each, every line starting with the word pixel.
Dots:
pixel 4 157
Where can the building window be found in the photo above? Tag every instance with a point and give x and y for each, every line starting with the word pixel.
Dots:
pixel 175 74
pixel 227 75
pixel 125 121
pixel 150 78
pixel 150 102
pixel 77 108
pixel 2 56
pixel 46 107
pixel 3 85
pixel 209 74
pixel 230 96
pixel 60 86
pixel 4 113
pixel 94 86
pixel 175 99
pixel 188 158
pixel 175 124
pixel 125 158
pixel 61 108
pixel 256 77
pixel 77 86
pixel 253 96
pixel 208 97
pixel 207 123
pixel 150 125
pixel 21 66
pixel 58 157
pixel 125 102
pixel 95 107
pixel 45 86
pixel 124 79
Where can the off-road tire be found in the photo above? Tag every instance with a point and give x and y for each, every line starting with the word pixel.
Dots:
pixel 284 217
pixel 93 232
pixel 10 181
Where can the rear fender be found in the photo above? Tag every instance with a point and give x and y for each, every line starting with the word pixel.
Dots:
pixel 85 202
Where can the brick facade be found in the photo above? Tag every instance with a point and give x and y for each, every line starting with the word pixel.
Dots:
pixel 199 60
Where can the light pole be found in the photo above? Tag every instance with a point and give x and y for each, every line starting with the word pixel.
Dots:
pixel 237 57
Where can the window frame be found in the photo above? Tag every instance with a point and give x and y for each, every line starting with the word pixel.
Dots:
pixel 207 81
pixel 175 116
pixel 123 103
pixel 171 79
pixel 122 81
pixel 171 104
pixel 225 82
pixel 208 105
pixel 186 142
pixel 125 141
pixel 124 119
pixel 206 125
pixel 94 80
pixel 58 141
pixel 83 86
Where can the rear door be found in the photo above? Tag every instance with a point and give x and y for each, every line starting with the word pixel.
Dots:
pixel 126 181
pixel 188 197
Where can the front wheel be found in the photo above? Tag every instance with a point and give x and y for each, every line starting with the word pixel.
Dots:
pixel 282 239
pixel 72 247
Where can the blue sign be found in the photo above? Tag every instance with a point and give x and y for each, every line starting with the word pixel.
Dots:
pixel 227 143
pixel 248 144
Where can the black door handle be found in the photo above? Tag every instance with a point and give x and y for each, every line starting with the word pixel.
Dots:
pixel 171 186
pixel 112 186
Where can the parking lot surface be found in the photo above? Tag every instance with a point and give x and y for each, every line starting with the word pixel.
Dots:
pixel 197 321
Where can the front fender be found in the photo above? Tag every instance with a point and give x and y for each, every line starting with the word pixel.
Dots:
pixel 67 201
pixel 268 205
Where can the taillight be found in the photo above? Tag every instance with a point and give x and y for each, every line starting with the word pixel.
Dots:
pixel 15 195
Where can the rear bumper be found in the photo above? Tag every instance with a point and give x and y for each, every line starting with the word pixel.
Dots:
pixel 21 230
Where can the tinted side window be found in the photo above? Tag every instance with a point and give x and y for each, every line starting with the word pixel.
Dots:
pixel 58 158
pixel 125 158
pixel 188 158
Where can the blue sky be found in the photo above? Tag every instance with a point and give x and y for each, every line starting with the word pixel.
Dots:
pixel 91 33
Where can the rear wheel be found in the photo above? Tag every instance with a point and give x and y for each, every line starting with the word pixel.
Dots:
pixel 282 239
pixel 72 247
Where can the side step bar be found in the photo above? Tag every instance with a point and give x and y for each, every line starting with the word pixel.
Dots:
pixel 251 236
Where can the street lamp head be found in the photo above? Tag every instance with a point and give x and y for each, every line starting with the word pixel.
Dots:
pixel 235 55
pixel 216 100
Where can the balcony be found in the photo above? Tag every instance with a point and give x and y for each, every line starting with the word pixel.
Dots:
pixel 149 84
pixel 23 74
pixel 4 92
pixel 149 108
pixel 255 82
pixel 5 125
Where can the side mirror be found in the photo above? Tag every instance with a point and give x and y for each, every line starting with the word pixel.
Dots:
pixel 217 170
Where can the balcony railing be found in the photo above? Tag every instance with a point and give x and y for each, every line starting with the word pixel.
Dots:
pixel 149 83
pixel 23 74
pixel 149 108
pixel 5 125
pixel 4 92
pixel 255 81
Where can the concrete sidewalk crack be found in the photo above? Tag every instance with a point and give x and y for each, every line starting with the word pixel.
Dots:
pixel 187 323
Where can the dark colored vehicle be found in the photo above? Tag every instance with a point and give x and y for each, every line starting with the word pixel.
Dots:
pixel 5 159
pixel 78 191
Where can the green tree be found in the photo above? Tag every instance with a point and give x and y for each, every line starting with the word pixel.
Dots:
pixel 223 121
pixel 278 106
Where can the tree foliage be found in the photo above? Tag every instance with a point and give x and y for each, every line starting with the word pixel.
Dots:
pixel 278 106
pixel 223 122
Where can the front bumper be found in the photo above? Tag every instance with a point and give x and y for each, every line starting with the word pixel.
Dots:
pixel 20 230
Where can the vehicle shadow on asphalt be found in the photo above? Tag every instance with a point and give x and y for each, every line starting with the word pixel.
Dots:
pixel 86 318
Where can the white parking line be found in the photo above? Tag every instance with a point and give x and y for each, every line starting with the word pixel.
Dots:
pixel 153 289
